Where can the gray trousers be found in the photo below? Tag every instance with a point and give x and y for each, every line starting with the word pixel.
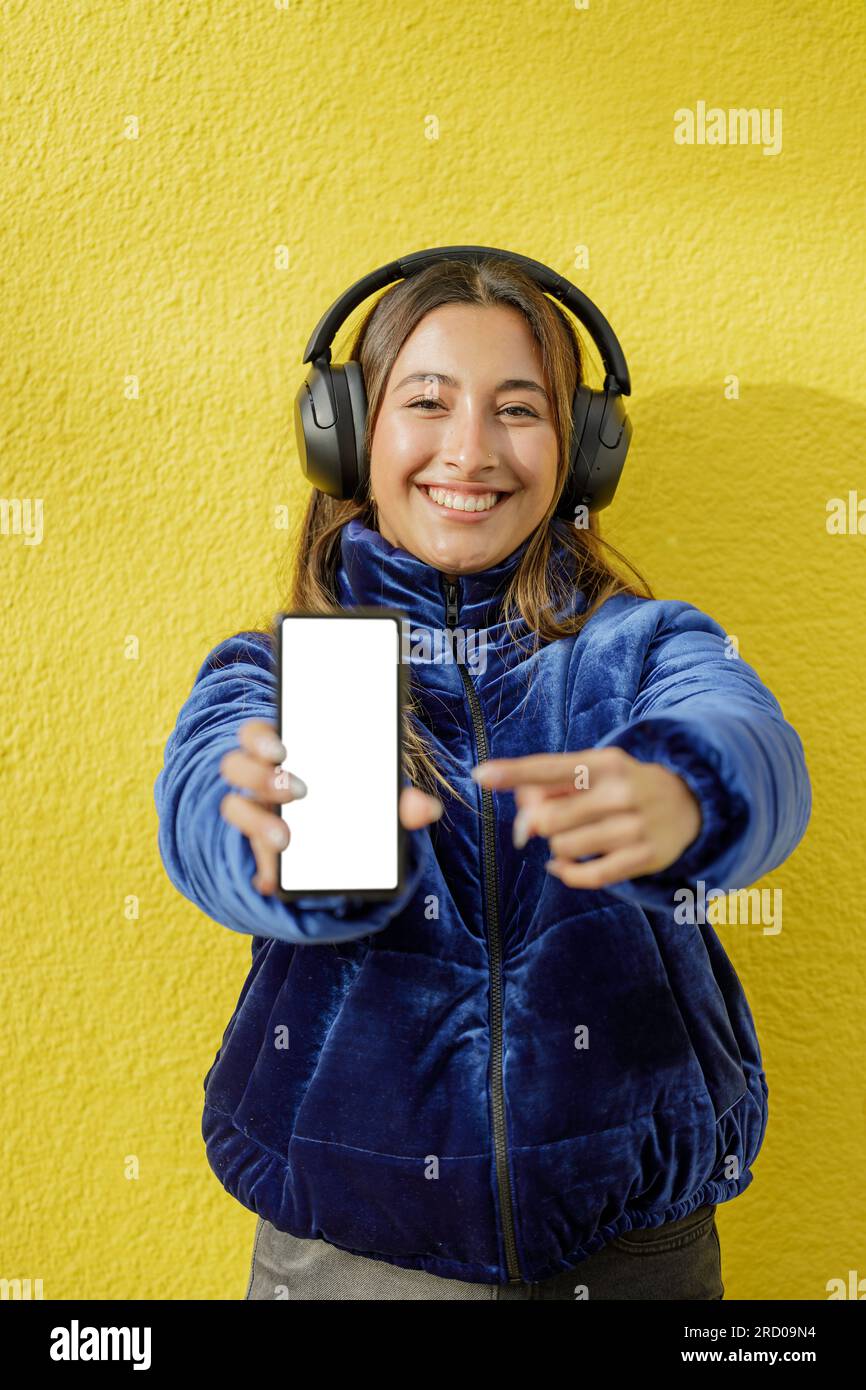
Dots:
pixel 680 1260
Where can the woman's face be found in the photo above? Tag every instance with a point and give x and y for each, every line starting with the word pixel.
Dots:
pixel 465 411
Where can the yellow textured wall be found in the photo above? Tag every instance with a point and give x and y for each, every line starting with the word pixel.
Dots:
pixel 157 157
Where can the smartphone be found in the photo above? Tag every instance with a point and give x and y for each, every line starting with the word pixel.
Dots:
pixel 342 690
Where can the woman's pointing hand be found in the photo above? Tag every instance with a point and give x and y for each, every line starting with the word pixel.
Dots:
pixel 636 817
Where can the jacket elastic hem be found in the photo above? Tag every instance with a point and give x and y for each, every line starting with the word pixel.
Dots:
pixel 253 1174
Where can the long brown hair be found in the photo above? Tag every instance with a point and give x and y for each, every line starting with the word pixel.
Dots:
pixel 536 592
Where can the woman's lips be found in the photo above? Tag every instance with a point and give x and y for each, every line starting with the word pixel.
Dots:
pixel 454 513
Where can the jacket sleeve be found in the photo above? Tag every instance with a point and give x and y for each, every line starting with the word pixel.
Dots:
pixel 707 716
pixel 211 862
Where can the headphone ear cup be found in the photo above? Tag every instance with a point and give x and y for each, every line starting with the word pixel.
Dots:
pixel 330 415
pixel 357 393
pixel 599 444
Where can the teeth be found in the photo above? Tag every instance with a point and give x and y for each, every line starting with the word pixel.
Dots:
pixel 463 502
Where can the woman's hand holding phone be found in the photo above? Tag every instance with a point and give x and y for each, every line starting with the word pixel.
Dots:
pixel 256 766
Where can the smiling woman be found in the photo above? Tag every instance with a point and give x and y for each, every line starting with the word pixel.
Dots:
pixel 519 1158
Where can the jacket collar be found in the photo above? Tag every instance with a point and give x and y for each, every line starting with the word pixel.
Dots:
pixel 374 573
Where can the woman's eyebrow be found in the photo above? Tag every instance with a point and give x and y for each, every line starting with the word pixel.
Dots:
pixel 511 383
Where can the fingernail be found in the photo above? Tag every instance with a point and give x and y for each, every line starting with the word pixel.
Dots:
pixel 270 747
pixel 520 829
pixel 479 774
pixel 438 811
pixel 551 866
pixel 277 836
pixel 297 787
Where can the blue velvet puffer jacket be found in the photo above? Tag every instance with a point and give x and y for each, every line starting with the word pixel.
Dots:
pixel 403 1078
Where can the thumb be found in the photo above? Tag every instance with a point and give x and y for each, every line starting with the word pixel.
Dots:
pixel 417 809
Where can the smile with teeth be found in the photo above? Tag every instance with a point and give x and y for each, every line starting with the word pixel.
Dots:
pixel 463 501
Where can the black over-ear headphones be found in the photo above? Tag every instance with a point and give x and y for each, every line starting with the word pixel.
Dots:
pixel 331 404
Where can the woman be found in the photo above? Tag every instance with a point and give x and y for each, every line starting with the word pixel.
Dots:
pixel 534 1074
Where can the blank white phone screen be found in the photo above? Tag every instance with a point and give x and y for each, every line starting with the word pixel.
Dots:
pixel 339 725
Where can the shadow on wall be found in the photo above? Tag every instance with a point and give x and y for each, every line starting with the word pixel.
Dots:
pixel 739 490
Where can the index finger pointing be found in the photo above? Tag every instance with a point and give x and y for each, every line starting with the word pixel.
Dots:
pixel 544 769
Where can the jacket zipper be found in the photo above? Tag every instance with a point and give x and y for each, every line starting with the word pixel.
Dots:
pixel 503 1178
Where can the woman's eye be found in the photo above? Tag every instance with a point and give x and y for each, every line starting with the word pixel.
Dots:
pixel 424 401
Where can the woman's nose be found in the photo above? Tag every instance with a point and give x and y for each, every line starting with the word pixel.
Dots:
pixel 471 448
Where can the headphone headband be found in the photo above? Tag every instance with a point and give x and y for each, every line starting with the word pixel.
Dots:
pixel 574 299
